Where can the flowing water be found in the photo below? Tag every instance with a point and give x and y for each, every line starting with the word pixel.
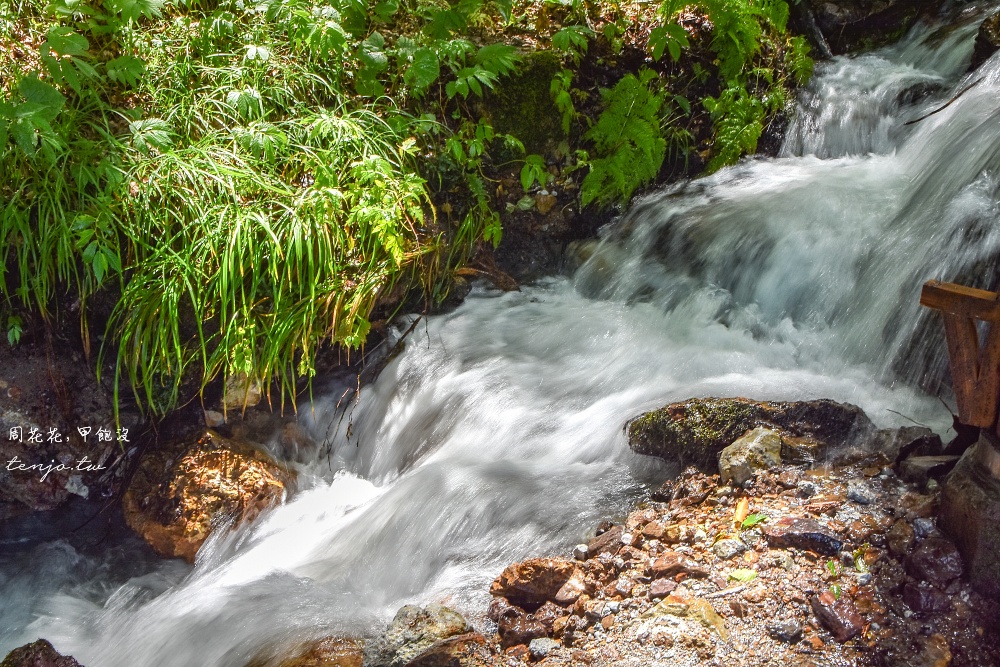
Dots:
pixel 498 432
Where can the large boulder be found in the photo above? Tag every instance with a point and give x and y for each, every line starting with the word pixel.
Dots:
pixel 694 432
pixel 987 41
pixel 38 654
pixel 180 494
pixel 415 631
pixel 851 25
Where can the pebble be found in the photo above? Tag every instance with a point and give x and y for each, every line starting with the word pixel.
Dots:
pixel 803 534
pixel 923 527
pixel 861 493
pixel 789 630
pixel 807 489
pixel 838 615
pixel 541 647
pixel 580 552
pixel 726 549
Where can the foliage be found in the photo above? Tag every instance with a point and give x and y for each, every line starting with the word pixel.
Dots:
pixel 233 173
pixel 627 141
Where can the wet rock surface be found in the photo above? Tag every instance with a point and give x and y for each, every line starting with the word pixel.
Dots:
pixel 695 432
pixel 180 494
pixel 418 630
pixel 38 654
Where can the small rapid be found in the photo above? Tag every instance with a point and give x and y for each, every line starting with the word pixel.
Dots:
pixel 497 433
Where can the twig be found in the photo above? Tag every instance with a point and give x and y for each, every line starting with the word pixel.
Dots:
pixel 908 418
pixel 946 105
pixel 723 593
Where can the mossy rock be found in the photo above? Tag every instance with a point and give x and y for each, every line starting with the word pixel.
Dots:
pixel 694 432
pixel 522 105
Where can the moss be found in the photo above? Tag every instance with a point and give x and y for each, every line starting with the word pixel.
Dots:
pixel 695 431
pixel 522 105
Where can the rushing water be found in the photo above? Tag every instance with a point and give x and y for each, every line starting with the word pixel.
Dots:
pixel 498 432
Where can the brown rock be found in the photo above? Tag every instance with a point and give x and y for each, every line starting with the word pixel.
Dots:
pixel 180 495
pixel 609 541
pixel 37 654
pixel 326 652
pixel 802 534
pixel 548 614
pixel 671 563
pixel 654 530
pixel 900 538
pixel 533 582
pixel 839 616
pixel 576 586
pixel 468 650
pixel 545 203
pixel 661 588
pixel 924 598
pixel 936 653
pixel 936 560
pixel 987 41
pixel 520 630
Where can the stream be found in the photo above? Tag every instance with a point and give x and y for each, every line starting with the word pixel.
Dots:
pixel 497 433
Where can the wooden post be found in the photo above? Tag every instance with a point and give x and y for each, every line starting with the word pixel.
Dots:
pixel 975 368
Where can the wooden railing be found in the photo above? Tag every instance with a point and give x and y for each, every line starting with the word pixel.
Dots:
pixel 975 364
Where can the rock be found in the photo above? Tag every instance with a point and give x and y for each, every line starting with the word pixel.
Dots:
pixel 849 25
pixel 571 591
pixel 987 41
pixel 179 495
pixel 661 588
pixel 921 469
pixel 545 203
pixel 923 527
pixel 726 549
pixel 214 419
pixel 935 560
pixel 860 492
pixel 671 563
pixel 704 613
pixel 466 650
pixel 533 582
pixel 803 534
pixel 581 552
pixel 326 652
pixel 695 432
pixel 970 505
pixel 548 614
pixel 756 450
pixel 37 654
pixel 241 391
pixel 541 647
pixel 900 443
pixel 609 542
pixel 514 630
pixel 789 630
pixel 936 653
pixel 900 538
pixel 924 598
pixel 413 631
pixel 839 616
pixel 807 489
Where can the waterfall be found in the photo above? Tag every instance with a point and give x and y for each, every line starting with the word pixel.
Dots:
pixel 497 433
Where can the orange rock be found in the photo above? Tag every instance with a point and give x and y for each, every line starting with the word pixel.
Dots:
pixel 179 495
pixel 533 582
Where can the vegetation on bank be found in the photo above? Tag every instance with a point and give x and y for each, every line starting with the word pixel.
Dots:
pixel 245 182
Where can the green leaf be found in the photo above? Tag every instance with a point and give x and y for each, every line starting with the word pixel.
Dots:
pixel 423 71
pixel 498 59
pixel 835 589
pixel 743 575
pixel 49 101
pixel 126 70
pixel 372 54
pixel 753 520
pixel 150 133
pixel 66 42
